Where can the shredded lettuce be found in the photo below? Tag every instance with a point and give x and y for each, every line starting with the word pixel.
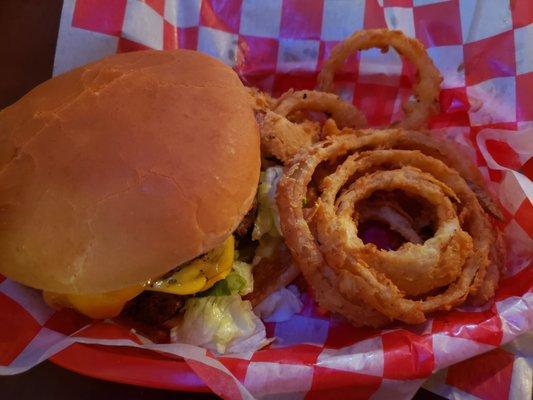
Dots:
pixel 224 324
pixel 242 277
pixel 218 319
pixel 239 281
pixel 267 226
pixel 267 221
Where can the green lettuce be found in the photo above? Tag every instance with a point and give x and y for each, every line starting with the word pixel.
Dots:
pixel 267 221
pixel 267 229
pixel 239 281
pixel 224 324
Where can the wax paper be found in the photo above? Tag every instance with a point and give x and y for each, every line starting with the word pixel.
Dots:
pixel 484 51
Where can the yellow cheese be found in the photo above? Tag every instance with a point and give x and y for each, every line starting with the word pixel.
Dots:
pixel 195 276
pixel 201 273
pixel 98 306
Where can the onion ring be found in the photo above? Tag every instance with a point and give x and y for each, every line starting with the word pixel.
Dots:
pixel 261 101
pixel 415 269
pixel 342 274
pixel 343 113
pixel 281 138
pixel 484 287
pixel 451 153
pixel 426 88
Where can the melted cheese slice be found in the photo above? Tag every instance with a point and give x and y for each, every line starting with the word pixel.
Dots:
pixel 195 276
pixel 200 274
pixel 97 306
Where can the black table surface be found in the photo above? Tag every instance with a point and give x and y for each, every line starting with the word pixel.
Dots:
pixel 28 35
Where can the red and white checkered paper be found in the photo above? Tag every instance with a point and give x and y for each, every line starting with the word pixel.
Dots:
pixel 484 50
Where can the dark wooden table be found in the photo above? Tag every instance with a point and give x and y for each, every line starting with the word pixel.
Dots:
pixel 28 35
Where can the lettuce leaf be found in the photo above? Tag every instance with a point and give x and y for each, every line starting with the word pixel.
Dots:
pixel 239 281
pixel 267 226
pixel 267 221
pixel 223 324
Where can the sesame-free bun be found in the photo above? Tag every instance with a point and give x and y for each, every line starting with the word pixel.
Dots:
pixel 118 171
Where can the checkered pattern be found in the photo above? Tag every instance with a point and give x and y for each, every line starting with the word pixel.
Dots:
pixel 495 373
pixel 483 49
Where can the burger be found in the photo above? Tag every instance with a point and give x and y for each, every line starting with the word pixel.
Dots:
pixel 128 185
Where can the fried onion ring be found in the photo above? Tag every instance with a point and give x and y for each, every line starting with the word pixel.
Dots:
pixel 451 153
pixel 369 286
pixel 415 269
pixel 343 113
pixel 426 87
pixel 282 138
pixel 261 101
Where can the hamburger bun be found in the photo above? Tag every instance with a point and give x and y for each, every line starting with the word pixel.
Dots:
pixel 116 172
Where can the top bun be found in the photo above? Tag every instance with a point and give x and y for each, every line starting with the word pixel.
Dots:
pixel 118 171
